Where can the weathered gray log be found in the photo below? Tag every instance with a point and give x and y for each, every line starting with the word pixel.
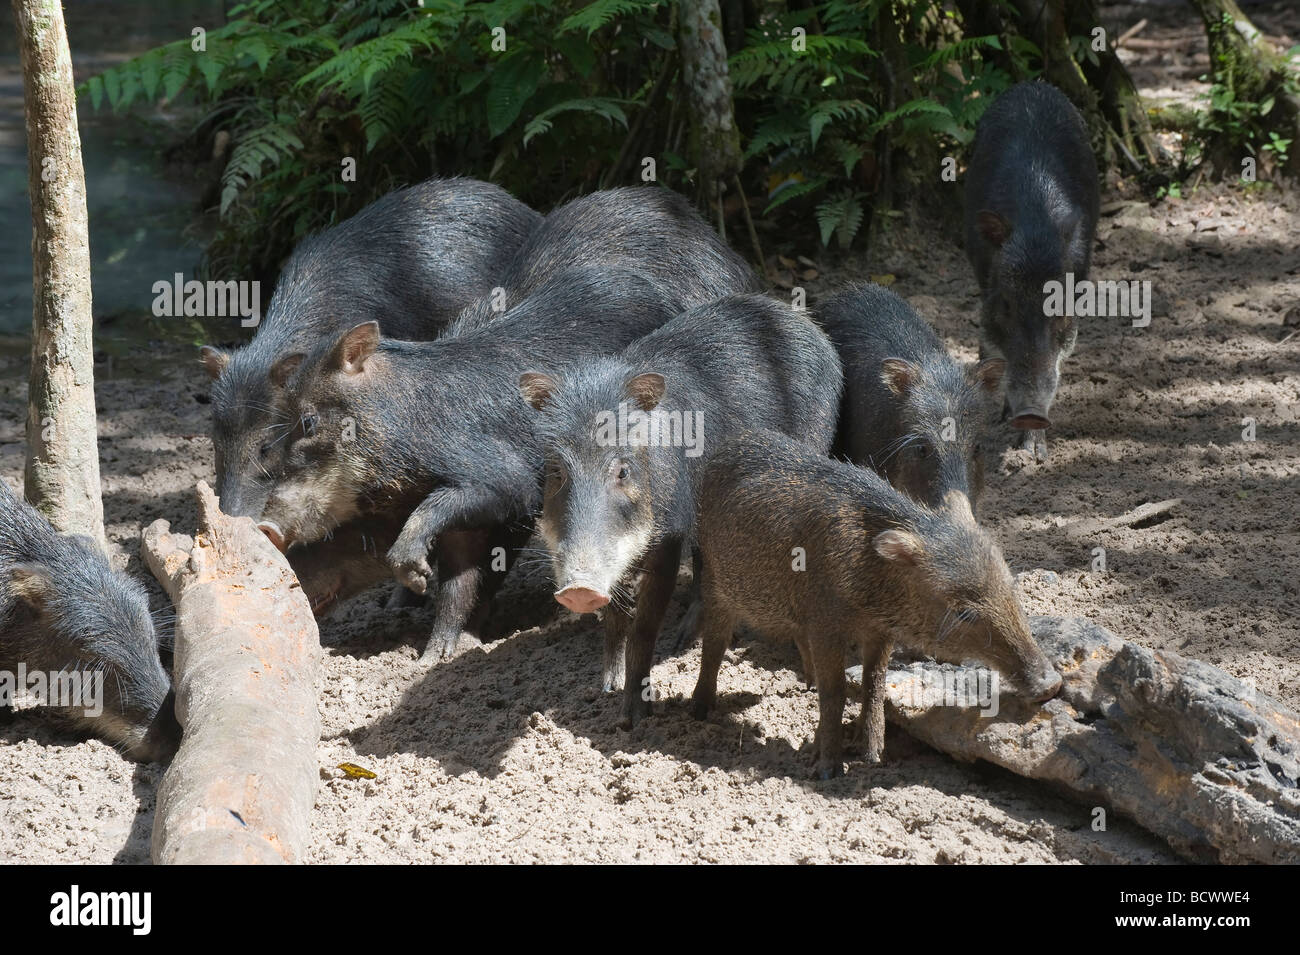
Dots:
pixel 247 672
pixel 1182 748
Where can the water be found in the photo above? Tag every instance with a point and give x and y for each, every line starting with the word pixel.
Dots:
pixel 144 224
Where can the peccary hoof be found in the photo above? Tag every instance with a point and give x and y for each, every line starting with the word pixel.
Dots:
pixel 1036 444
pixel 634 710
pixel 444 646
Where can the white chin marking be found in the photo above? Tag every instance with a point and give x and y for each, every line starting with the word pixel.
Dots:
pixel 315 504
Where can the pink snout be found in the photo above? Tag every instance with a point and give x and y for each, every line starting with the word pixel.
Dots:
pixel 581 599
pixel 1031 419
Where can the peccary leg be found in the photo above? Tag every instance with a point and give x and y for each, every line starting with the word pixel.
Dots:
pixel 493 570
pixel 828 661
pixel 614 657
pixel 716 626
pixel 658 580
pixel 451 506
pixel 460 577
pixel 688 628
pixel 875 666
pixel 805 658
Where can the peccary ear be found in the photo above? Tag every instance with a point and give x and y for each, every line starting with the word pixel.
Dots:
pixel 646 390
pixel 214 360
pixel 988 373
pixel 537 388
pixel 898 375
pixel 902 546
pixel 994 228
pixel 32 584
pixel 354 346
pixel 284 368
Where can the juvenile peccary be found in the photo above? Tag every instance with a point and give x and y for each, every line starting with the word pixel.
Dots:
pixel 411 261
pixel 63 611
pixel 827 553
pixel 619 503
pixel 910 411
pixel 1031 217
pixel 648 230
pixel 435 431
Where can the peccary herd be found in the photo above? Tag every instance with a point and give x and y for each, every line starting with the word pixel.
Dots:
pixel 448 373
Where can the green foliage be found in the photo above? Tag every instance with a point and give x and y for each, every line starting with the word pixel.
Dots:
pixel 818 107
pixel 1237 120
pixel 541 95
pixel 396 85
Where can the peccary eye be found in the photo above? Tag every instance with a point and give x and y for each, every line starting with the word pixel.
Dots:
pixel 924 451
pixel 622 473
pixel 309 425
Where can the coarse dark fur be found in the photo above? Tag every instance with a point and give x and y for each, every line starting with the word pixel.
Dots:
pixel 1031 216
pixel 910 411
pixel 648 230
pixel 63 610
pixel 411 261
pixel 437 430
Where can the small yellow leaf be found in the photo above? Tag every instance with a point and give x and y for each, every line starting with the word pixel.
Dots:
pixel 886 279
pixel 356 772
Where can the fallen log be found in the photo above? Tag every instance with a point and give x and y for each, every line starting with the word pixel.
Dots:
pixel 247 668
pixel 1182 748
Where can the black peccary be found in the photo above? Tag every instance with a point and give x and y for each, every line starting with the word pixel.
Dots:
pixel 625 440
pixel 411 261
pixel 910 410
pixel 1031 217
pixel 64 612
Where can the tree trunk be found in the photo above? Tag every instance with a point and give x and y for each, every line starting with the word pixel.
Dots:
pixel 715 141
pixel 62 473
pixel 1243 61
pixel 1117 97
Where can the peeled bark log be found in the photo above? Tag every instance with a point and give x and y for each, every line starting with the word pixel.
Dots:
pixel 1183 749
pixel 247 670
pixel 62 471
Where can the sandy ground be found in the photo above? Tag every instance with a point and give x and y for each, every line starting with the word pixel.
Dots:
pixel 510 753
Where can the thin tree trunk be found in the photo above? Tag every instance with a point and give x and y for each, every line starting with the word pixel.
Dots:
pixel 62 472
pixel 715 141
pixel 1244 62
pixel 1118 99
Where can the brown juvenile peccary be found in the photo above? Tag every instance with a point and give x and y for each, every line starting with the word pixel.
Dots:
pixel 879 568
